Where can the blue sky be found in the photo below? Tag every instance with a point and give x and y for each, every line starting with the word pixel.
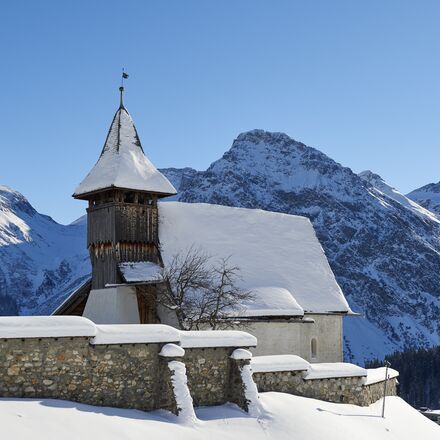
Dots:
pixel 357 79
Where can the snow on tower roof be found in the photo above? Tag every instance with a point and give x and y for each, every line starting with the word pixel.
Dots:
pixel 275 253
pixel 123 164
pixel 141 271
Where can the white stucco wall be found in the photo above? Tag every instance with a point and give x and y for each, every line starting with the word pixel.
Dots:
pixel 115 305
pixel 281 337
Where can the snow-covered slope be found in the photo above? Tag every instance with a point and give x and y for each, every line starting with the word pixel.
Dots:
pixel 286 417
pixel 41 262
pixel 378 183
pixel 428 196
pixel 385 252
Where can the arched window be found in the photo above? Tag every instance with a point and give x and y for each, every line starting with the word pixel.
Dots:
pixel 314 348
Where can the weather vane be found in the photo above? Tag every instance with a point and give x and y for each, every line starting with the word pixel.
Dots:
pixel 124 76
pixel 121 89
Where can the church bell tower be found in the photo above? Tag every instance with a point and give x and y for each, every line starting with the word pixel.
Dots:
pixel 122 191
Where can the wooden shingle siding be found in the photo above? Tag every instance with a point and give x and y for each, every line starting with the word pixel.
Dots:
pixel 122 222
pixel 121 227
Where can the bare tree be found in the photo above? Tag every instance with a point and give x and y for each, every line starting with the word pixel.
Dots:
pixel 201 291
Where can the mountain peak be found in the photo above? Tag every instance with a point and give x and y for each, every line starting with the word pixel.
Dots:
pixel 258 134
pixel 14 201
pixel 370 177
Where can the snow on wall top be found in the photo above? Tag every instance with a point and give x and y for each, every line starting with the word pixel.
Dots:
pixel 216 338
pixel 71 326
pixel 140 271
pixel 123 164
pixel 45 327
pixel 271 249
pixel 281 362
pixel 172 350
pixel 333 370
pixel 135 333
pixel 375 375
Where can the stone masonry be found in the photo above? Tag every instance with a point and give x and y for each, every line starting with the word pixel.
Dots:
pixel 134 375
pixel 338 390
pixel 119 375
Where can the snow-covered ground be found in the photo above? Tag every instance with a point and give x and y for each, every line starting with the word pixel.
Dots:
pixel 285 417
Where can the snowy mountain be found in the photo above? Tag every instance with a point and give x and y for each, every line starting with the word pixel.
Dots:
pixel 179 177
pixel 41 261
pixel 428 196
pixel 384 250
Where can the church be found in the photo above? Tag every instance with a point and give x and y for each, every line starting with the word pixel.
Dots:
pixel 133 232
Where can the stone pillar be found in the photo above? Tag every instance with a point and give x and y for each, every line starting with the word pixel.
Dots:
pixel 174 393
pixel 242 389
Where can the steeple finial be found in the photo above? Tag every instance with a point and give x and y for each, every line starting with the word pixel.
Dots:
pixel 121 89
pixel 121 103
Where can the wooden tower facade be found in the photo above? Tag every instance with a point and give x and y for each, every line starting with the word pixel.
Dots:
pixel 122 226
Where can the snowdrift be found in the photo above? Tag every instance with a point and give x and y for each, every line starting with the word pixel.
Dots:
pixel 285 417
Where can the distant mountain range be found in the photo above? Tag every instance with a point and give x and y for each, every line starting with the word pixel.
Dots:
pixel 41 261
pixel 383 247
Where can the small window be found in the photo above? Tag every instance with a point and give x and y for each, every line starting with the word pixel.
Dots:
pixel 141 199
pixel 314 348
pixel 129 197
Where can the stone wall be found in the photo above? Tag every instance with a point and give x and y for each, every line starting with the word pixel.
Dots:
pixel 119 375
pixel 339 390
pixel 208 374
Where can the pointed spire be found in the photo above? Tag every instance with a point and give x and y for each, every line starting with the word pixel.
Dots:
pixel 122 163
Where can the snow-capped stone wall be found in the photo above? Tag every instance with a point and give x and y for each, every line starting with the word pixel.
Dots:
pixel 353 390
pixel 124 366
pixel 155 366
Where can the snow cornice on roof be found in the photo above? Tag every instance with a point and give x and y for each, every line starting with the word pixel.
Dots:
pixel 123 164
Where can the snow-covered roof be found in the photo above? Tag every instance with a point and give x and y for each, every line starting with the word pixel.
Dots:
pixel 123 164
pixel 45 327
pixel 281 362
pixel 274 252
pixel 270 301
pixel 141 271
